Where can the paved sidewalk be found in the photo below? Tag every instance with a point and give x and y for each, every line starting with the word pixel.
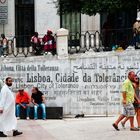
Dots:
pixel 74 129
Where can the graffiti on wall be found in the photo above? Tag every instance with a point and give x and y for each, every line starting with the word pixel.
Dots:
pixel 90 86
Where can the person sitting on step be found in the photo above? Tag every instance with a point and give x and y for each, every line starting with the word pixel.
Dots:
pixel 22 100
pixel 38 99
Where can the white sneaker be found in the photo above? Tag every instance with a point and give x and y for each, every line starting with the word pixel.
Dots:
pixel 18 118
pixel 28 118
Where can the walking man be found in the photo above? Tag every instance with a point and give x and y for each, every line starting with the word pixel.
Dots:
pixel 127 101
pixel 8 121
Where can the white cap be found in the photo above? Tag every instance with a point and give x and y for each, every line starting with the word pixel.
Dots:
pixel 138 18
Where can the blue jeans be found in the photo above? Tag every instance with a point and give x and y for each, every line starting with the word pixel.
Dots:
pixel 135 40
pixel 42 105
pixel 18 109
pixel 1 50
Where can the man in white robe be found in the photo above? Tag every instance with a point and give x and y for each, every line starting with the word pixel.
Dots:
pixel 8 121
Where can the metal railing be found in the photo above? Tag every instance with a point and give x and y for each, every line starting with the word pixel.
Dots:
pixel 12 50
pixel 80 42
pixel 100 41
pixel 15 50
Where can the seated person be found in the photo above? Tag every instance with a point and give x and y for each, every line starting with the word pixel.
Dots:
pixel 49 43
pixel 1 49
pixel 38 100
pixel 36 44
pixel 4 45
pixel 22 100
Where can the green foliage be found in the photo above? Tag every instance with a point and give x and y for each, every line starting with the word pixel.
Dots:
pixel 91 7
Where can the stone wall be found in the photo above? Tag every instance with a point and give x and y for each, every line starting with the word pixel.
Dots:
pixel 87 83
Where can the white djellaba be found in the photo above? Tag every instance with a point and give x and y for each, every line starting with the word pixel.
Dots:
pixel 8 121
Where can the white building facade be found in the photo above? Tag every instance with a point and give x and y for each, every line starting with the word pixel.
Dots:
pixel 27 16
pixel 45 17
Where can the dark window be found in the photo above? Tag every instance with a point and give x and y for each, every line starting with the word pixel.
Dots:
pixel 24 13
pixel 19 2
pixel 71 21
pixel 116 28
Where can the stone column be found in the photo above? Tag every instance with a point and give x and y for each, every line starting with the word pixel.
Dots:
pixel 62 42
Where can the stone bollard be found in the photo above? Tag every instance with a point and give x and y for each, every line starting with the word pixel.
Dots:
pixel 62 43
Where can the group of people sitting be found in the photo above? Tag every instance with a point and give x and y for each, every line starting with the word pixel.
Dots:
pixel 44 45
pixel 23 100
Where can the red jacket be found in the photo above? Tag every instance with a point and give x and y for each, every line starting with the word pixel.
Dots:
pixel 22 98
pixel 49 43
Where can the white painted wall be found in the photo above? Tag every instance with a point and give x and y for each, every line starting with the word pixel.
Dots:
pixel 96 89
pixel 46 16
